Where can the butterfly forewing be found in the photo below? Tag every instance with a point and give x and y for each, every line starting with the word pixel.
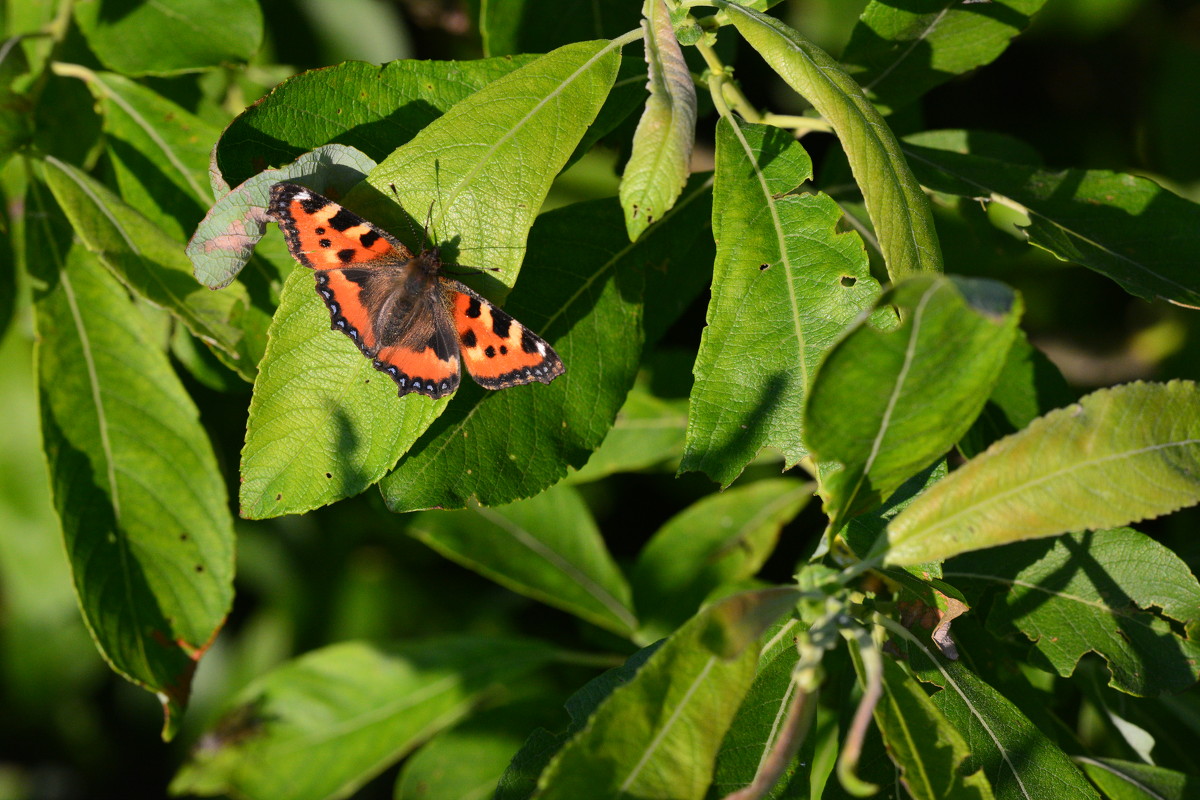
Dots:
pixel 323 235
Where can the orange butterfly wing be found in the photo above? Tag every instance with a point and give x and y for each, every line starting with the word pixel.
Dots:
pixel 497 350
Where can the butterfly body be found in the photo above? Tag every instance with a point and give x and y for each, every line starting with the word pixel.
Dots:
pixel 415 323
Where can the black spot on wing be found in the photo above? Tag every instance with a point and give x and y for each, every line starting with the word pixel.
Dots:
pixel 469 340
pixel 359 276
pixel 528 343
pixel 344 220
pixel 369 238
pixel 473 308
pixel 345 256
pixel 501 322
pixel 313 203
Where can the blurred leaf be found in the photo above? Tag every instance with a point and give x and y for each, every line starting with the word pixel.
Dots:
pixel 678 268
pixel 134 479
pixel 153 265
pixel 66 125
pixel 1029 385
pixel 658 735
pixel 900 50
pixel 887 404
pixel 465 762
pixel 1128 780
pixel 485 166
pixel 369 107
pixel 520 779
pixel 1130 229
pixel 1019 760
pixel 324 724
pixel 931 754
pixel 662 145
pixel 324 423
pixel 159 151
pixel 1118 456
pixel 899 209
pixel 714 542
pixel 169 36
pixel 582 291
pixel 785 285
pixel 16 119
pixel 510 27
pixel 1111 592
pixel 225 239
pixel 547 547
pixel 648 430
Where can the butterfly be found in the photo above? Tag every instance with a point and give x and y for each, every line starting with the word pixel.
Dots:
pixel 415 323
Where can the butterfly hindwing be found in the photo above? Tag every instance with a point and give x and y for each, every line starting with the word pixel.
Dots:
pixel 323 235
pixel 418 347
pixel 414 324
pixel 497 350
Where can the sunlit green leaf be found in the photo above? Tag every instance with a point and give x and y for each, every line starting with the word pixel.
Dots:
pixel 899 209
pixel 657 736
pixel 887 404
pixel 1118 456
pixel 369 107
pixel 785 284
pixel 134 479
pixel 662 145
pixel 1110 592
pixel 1019 760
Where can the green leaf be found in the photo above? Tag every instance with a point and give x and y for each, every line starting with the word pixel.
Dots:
pixel 931 753
pixel 153 265
pixel 648 430
pixel 502 446
pixel 1128 780
pixel 324 724
pixel 520 779
pixel 1118 456
pixel 324 423
pixel 1029 386
pixel 1130 229
pixel 785 284
pixel 1017 758
pixel 225 239
pixel 662 145
pixel 547 548
pixel 484 167
pixel 899 51
pixel 1111 592
pixel 717 541
pixel 134 478
pixel 658 735
pixel 159 151
pixel 887 404
pixel 899 209
pixel 465 762
pixel 757 728
pixel 369 107
pixel 167 37
pixel 509 27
